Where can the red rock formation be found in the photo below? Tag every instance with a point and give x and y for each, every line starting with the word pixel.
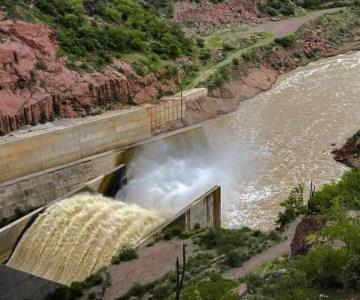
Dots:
pixel 206 15
pixel 36 87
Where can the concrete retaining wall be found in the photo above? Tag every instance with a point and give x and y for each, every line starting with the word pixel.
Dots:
pixel 172 108
pixel 32 153
pixel 188 95
pixel 33 191
pixel 18 285
pixel 204 211
pixel 10 234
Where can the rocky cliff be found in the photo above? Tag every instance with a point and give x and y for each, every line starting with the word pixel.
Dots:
pixel 203 15
pixel 349 154
pixel 36 86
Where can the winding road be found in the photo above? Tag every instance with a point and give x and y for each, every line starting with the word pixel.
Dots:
pixel 277 29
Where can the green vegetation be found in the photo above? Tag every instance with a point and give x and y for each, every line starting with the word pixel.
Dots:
pixel 331 266
pixel 286 41
pixel 125 253
pixel 220 77
pixel 344 194
pixel 294 206
pixel 214 288
pixel 94 31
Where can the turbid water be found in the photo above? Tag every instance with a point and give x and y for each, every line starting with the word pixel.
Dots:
pixel 273 141
pixel 285 136
pixel 77 236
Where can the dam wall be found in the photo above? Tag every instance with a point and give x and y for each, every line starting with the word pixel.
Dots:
pixel 35 190
pixel 29 152
pixel 34 152
pixel 43 164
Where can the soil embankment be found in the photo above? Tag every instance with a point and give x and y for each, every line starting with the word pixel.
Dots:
pixel 349 154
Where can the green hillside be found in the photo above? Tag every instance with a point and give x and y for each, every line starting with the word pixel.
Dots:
pixel 95 30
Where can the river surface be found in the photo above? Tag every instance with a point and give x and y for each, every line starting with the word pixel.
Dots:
pixel 285 136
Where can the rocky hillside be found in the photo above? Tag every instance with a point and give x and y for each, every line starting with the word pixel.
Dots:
pixel 70 60
pixel 203 16
pixel 36 87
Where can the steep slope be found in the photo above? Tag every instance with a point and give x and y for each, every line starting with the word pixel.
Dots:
pixel 36 87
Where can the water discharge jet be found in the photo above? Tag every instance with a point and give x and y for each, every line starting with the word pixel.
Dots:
pixel 75 237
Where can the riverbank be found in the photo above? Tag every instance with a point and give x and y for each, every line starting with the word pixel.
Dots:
pixel 349 154
pixel 258 69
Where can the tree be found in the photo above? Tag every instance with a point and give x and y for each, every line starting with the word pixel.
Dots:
pixel 294 206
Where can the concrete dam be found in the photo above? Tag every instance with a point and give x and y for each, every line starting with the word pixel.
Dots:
pixel 78 232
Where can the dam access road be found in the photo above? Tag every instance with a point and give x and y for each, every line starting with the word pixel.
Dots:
pixel 277 29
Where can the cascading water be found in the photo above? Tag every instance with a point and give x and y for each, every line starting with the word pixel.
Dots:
pixel 77 236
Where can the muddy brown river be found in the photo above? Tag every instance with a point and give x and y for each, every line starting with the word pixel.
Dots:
pixel 285 136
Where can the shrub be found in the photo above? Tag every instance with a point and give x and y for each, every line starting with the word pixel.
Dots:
pixel 288 9
pixel 235 61
pixel 286 41
pixel 251 56
pixel 227 47
pixel 323 266
pixel 200 42
pixel 125 253
pixel 235 258
pixel 294 206
pixel 162 291
pixel 271 11
pixel 94 279
pixel 346 192
pixel 352 273
pixel 312 4
pixel 215 288
pixel 253 281
pixel 220 77
pixel 137 290
pixel 274 235
pixel 175 231
pixel 205 54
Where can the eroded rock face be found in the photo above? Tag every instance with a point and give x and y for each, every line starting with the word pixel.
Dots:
pixel 36 87
pixel 204 15
pixel 307 226
pixel 349 154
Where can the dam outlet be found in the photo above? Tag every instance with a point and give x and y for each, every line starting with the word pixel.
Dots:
pixel 75 237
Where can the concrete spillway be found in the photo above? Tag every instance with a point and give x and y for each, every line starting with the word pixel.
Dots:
pixel 75 237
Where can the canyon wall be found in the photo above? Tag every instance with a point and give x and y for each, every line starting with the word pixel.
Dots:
pixel 36 86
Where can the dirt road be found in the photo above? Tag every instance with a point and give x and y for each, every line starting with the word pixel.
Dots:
pixel 277 29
